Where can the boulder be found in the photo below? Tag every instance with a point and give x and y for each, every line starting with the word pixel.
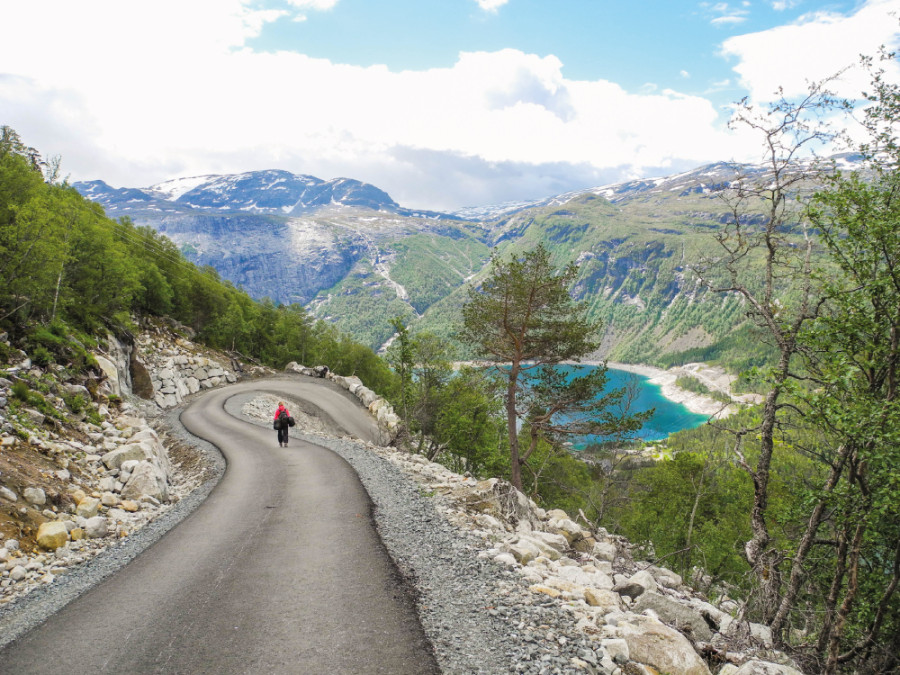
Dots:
pixel 639 583
pixel 114 459
pixel 682 617
pixel 567 528
pixel 87 507
pixel 148 480
pixel 52 535
pixel 757 667
pixel 652 643
pixel 607 600
pixel 96 527
pixel 557 541
pixel 35 496
pixel 524 551
pixel 604 550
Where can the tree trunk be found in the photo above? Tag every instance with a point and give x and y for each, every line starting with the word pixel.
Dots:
pixel 806 541
pixel 515 466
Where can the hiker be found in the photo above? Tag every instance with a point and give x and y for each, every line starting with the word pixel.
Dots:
pixel 281 424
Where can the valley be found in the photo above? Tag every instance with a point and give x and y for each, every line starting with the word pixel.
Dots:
pixel 348 253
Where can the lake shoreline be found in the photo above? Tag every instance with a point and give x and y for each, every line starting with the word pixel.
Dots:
pixel 715 378
pixel 665 380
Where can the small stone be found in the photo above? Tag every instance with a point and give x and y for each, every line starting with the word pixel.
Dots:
pixel 130 506
pixel 108 499
pixel 11 545
pixel 8 494
pixel 17 573
pixel 77 534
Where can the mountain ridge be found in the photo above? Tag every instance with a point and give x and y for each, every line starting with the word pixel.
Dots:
pixel 353 256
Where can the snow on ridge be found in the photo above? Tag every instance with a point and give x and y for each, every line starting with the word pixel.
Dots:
pixel 171 190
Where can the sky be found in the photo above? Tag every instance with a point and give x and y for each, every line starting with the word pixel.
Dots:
pixel 442 103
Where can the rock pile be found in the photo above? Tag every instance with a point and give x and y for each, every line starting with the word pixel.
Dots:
pixel 642 617
pixel 86 494
pixel 72 484
pixel 176 372
pixel 388 420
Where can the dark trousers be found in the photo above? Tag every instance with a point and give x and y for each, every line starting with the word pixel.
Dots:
pixel 283 435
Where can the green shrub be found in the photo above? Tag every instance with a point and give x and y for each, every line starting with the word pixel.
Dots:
pixel 93 416
pixel 76 403
pixel 20 391
pixel 41 356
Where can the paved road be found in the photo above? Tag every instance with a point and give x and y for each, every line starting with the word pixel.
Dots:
pixel 279 571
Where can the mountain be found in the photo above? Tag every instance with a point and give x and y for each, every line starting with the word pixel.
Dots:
pixel 342 247
pixel 257 192
pixel 353 256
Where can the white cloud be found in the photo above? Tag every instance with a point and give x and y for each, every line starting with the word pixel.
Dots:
pixel 167 89
pixel 491 5
pixel 320 5
pixel 723 14
pixel 685 74
pixel 781 5
pixel 816 46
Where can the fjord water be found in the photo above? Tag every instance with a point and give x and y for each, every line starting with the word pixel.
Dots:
pixel 668 417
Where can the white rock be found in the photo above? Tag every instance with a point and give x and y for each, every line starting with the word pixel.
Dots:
pixel 35 496
pixel 87 507
pixel 8 494
pixel 17 573
pixel 617 649
pixel 653 643
pixel 757 667
pixel 604 550
pixel 96 527
pixel 146 479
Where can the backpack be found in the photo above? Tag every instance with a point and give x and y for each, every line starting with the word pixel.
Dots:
pixel 282 421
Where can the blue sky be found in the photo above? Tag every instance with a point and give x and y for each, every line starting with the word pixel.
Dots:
pixel 642 45
pixel 443 103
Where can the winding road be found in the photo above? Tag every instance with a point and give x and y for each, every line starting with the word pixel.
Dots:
pixel 280 570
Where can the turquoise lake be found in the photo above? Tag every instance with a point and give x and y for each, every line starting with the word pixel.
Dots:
pixel 668 418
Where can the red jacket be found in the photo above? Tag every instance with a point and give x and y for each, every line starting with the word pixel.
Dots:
pixel 278 412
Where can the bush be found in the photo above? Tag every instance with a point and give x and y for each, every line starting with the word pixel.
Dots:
pixel 76 403
pixel 20 391
pixel 42 357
